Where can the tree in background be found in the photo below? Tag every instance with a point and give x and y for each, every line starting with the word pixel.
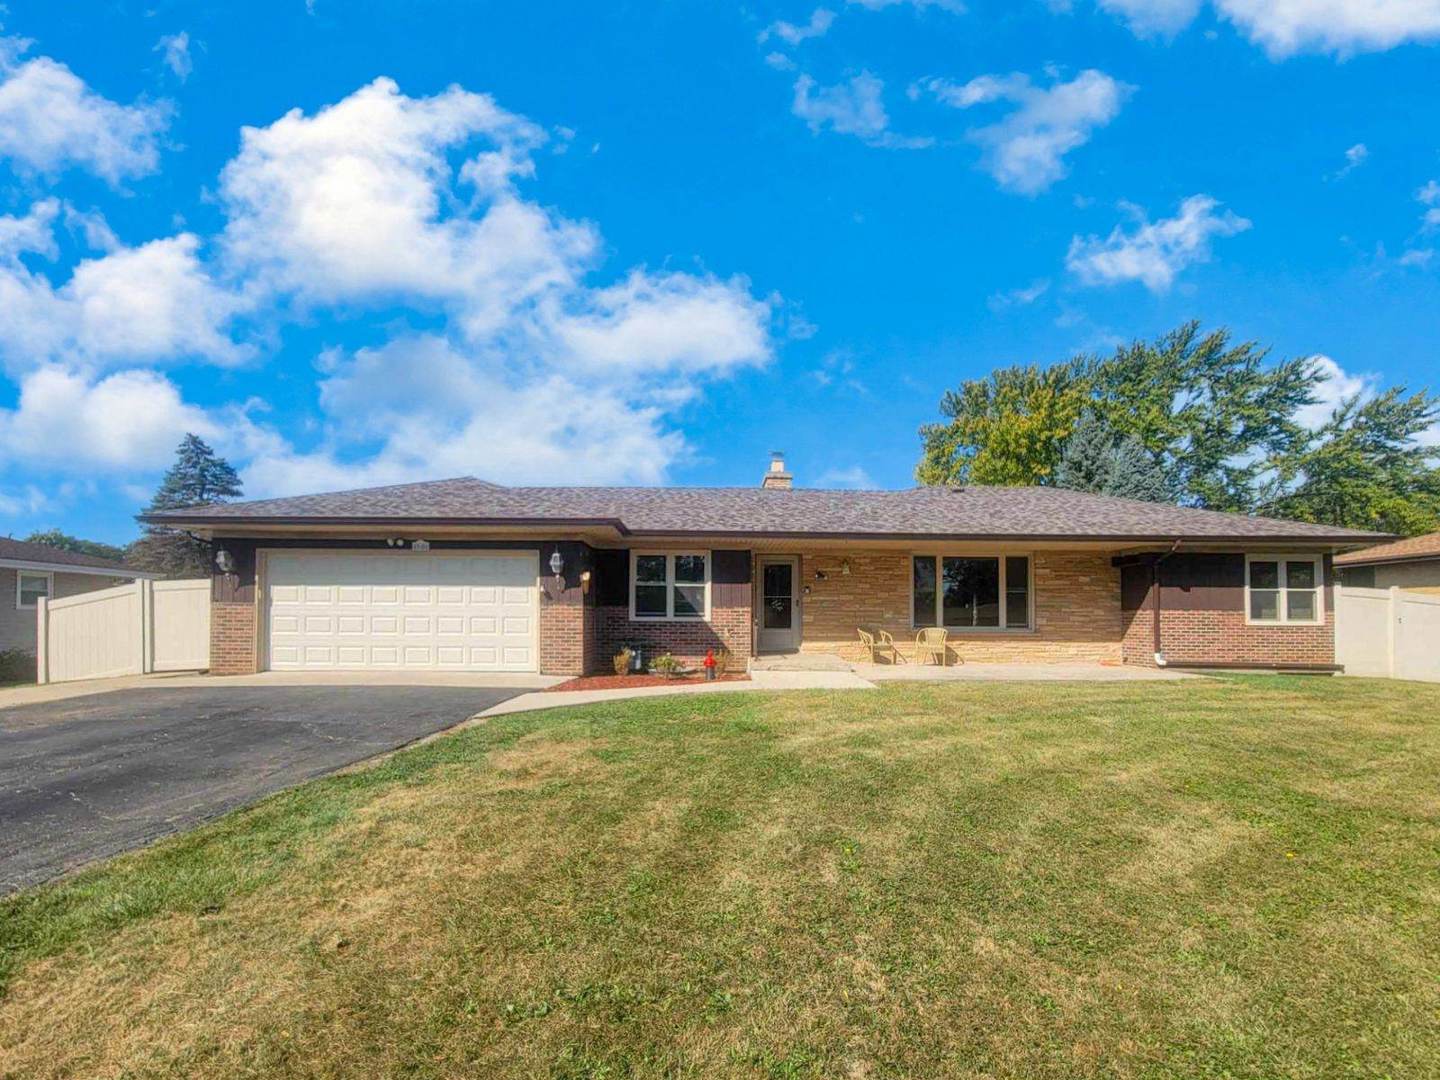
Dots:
pixel 199 477
pixel 1008 428
pixel 1364 469
pixel 65 542
pixel 1208 412
pixel 1096 459
pixel 1216 418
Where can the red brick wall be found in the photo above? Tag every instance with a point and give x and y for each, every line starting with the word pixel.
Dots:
pixel 1208 626
pixel 232 639
pixel 727 628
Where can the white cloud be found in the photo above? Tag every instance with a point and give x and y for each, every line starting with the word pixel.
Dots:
pixel 1336 387
pixel 956 6
pixel 528 371
pixel 1356 156
pixel 1154 17
pixel 50 121
pixel 1026 150
pixel 1286 27
pixel 175 49
pixel 438 411
pixel 151 304
pixel 851 108
pixel 821 19
pixel 779 61
pixel 1421 257
pixel 1154 252
pixel 1019 297
pixel 126 421
pixel 1429 197
pixel 27 500
pixel 853 477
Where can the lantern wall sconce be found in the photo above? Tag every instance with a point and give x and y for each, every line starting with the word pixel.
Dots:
pixel 844 567
pixel 224 561
pixel 820 575
pixel 557 564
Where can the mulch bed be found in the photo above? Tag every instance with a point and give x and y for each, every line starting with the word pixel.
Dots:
pixel 625 682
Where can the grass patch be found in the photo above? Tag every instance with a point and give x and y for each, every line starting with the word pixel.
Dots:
pixel 1228 878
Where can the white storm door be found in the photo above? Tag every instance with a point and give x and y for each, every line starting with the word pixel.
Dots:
pixel 401 611
pixel 779 604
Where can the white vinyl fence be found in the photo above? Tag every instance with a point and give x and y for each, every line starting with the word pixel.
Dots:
pixel 127 630
pixel 1389 633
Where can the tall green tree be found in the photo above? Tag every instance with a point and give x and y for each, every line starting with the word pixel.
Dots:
pixel 199 477
pixel 1008 428
pixel 65 542
pixel 1209 412
pixel 1364 468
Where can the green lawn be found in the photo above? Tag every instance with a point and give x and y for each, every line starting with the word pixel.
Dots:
pixel 1220 878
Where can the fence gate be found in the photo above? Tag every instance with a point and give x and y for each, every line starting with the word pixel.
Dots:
pixel 1389 633
pixel 126 630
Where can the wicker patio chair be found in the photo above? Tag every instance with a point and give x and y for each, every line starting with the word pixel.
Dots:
pixel 877 643
pixel 930 644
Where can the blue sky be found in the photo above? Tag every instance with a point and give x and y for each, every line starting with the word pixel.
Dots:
pixel 374 241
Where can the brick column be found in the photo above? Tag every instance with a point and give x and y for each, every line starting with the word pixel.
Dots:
pixel 567 624
pixel 232 638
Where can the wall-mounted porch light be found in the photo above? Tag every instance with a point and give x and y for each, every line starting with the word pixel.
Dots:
pixel 557 564
pixel 224 561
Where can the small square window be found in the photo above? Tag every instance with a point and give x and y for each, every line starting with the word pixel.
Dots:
pixel 29 588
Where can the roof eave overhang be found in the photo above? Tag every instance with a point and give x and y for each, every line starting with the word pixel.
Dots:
pixel 221 525
pixel 1391 560
pixel 75 568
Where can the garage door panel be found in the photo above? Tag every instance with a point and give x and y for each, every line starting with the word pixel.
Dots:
pixel 403 610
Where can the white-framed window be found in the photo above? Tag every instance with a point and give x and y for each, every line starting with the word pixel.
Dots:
pixel 670 585
pixel 1283 590
pixel 30 586
pixel 972 592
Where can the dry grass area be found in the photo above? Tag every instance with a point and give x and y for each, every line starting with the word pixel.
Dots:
pixel 1235 878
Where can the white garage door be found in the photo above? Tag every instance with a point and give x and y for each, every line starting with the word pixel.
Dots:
pixel 402 610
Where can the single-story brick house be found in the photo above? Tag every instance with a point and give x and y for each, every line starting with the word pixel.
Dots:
pixel 464 574
pixel 30 571
pixel 1412 564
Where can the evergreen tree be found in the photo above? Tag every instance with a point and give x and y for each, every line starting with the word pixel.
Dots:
pixel 1096 460
pixel 1088 458
pixel 199 477
pixel 1135 474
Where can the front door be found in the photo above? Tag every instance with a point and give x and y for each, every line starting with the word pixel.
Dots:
pixel 779 604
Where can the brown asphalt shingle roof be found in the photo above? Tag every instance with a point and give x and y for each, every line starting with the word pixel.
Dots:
pixel 27 552
pixel 979 512
pixel 1414 547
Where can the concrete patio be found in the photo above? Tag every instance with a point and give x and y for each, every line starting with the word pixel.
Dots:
pixel 967 672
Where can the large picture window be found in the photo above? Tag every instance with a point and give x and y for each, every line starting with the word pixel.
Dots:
pixel 1285 589
pixel 670 585
pixel 972 592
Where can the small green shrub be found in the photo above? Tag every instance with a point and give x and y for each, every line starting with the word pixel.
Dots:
pixel 666 665
pixel 16 666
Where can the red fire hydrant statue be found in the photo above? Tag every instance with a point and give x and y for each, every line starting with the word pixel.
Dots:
pixel 710 665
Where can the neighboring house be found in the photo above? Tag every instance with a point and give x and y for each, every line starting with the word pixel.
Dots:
pixel 30 571
pixel 1412 564
pixel 468 575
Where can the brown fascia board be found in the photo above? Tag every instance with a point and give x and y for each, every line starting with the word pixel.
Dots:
pixel 1391 560
pixel 240 522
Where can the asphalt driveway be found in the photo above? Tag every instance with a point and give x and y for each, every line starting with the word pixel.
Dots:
pixel 91 776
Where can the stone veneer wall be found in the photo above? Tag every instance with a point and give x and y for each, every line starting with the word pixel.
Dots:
pixel 1076 603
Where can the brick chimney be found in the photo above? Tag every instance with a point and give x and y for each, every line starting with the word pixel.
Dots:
pixel 776 476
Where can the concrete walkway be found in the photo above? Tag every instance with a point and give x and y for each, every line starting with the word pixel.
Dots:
pixel 971 672
pixel 759 680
